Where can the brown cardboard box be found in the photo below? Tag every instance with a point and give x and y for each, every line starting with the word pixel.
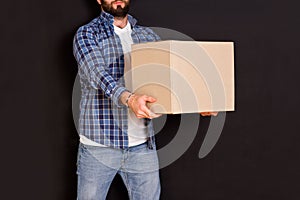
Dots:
pixel 184 76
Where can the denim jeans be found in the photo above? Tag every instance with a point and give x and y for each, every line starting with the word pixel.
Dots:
pixel 138 167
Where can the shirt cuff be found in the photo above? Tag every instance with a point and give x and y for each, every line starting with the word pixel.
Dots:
pixel 116 95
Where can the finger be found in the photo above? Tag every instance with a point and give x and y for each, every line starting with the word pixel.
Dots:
pixel 140 117
pixel 204 114
pixel 214 113
pixel 150 99
pixel 154 115
pixel 149 114
pixel 142 113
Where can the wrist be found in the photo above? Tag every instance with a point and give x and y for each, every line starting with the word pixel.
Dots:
pixel 128 98
pixel 131 100
pixel 124 97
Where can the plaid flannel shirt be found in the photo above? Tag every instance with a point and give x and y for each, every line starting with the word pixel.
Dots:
pixel 99 55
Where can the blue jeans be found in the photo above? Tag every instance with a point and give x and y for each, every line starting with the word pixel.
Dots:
pixel 97 167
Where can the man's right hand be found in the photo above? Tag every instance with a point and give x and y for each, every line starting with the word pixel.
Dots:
pixel 138 104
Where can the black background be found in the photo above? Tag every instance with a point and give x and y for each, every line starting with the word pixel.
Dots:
pixel 257 155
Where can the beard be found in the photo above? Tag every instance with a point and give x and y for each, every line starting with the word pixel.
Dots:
pixel 119 12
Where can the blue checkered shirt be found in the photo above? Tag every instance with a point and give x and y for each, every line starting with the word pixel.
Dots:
pixel 98 51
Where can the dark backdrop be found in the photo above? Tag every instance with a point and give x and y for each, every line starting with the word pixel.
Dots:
pixel 257 155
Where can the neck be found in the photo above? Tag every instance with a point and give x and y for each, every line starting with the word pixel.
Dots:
pixel 121 22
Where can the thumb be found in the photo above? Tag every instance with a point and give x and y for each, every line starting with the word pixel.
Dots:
pixel 150 99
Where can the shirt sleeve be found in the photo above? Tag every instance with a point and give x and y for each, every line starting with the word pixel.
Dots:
pixel 91 65
pixel 154 35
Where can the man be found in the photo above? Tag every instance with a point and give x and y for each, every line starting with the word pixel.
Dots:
pixel 116 133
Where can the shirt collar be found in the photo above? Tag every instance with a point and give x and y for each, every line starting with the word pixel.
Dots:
pixel 110 19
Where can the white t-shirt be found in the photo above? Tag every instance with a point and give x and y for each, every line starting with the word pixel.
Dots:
pixel 137 133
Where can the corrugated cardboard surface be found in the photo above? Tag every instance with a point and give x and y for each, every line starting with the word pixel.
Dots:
pixel 185 76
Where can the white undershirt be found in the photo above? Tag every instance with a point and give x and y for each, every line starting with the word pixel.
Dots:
pixel 137 133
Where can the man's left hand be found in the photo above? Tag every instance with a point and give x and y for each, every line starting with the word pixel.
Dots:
pixel 204 114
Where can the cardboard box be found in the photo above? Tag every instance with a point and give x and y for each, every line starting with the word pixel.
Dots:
pixel 184 76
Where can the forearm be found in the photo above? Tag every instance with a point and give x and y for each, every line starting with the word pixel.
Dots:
pixel 99 79
pixel 93 67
